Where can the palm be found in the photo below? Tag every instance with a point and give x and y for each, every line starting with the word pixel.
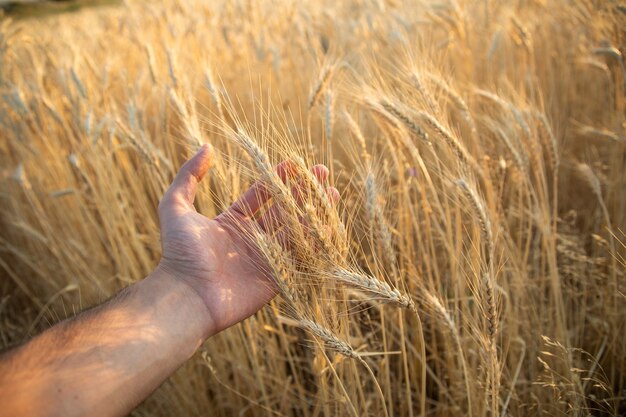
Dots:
pixel 229 276
pixel 218 258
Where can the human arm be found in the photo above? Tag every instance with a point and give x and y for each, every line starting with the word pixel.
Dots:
pixel 108 359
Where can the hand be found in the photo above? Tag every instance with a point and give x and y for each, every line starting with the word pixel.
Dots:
pixel 217 258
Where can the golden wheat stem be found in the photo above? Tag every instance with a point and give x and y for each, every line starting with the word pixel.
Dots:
pixel 358 134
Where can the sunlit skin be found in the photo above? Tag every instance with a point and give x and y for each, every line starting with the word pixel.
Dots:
pixel 105 361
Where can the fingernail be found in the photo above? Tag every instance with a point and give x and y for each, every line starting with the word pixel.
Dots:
pixel 320 171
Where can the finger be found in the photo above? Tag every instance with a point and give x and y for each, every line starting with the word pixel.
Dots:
pixel 274 217
pixel 321 172
pixel 271 219
pixel 298 191
pixel 283 239
pixel 272 223
pixel 286 169
pixel 183 188
pixel 257 195
pixel 252 200
pixel 333 198
pixel 333 195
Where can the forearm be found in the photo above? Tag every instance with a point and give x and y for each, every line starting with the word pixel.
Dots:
pixel 107 360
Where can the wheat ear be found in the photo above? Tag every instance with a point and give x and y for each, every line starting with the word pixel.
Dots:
pixel 479 209
pixel 323 80
pixel 406 120
pixel 371 285
pixel 456 99
pixel 378 221
pixel 281 267
pixel 329 338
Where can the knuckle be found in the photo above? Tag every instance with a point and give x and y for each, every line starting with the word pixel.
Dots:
pixel 163 203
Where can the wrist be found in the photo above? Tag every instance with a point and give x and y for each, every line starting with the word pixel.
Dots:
pixel 187 304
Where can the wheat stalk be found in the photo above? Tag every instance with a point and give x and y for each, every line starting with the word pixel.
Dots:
pixel 329 114
pixel 358 135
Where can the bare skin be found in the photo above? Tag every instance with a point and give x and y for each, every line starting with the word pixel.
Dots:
pixel 105 361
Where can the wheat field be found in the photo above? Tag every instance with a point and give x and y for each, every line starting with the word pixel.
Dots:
pixel 475 264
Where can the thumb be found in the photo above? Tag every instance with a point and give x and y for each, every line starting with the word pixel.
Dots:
pixel 183 188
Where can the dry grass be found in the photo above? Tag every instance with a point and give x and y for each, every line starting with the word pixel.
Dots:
pixel 475 264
